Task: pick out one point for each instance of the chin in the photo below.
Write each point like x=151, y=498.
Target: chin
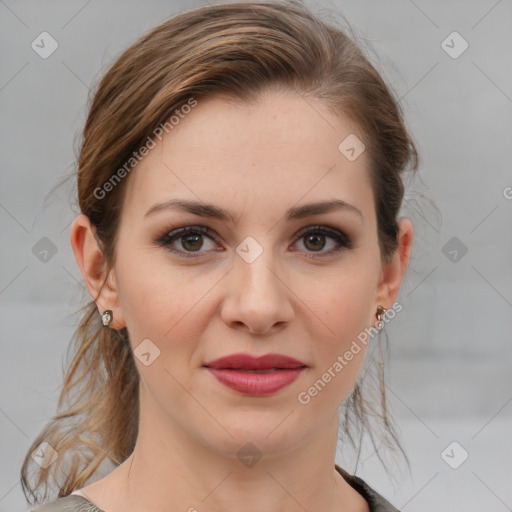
x=265, y=433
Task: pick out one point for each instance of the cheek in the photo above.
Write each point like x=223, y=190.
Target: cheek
x=344, y=308
x=169, y=318
x=344, y=304
x=164, y=304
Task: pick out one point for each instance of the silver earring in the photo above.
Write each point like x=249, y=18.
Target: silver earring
x=107, y=317
x=381, y=312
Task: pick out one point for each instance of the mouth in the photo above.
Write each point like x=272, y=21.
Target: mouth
x=247, y=362
x=267, y=370
x=256, y=376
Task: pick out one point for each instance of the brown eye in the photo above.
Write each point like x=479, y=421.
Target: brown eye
x=192, y=240
x=314, y=240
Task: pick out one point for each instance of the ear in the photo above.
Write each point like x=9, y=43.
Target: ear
x=93, y=267
x=394, y=271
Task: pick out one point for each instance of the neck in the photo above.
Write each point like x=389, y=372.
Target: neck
x=170, y=469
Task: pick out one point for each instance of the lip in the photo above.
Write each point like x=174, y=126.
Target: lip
x=256, y=376
x=243, y=361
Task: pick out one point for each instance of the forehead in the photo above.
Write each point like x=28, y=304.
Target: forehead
x=276, y=150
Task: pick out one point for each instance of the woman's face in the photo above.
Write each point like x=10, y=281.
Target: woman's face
x=255, y=282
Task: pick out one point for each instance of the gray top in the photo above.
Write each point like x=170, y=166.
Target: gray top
x=75, y=503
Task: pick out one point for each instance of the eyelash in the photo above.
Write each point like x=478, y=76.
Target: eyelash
x=342, y=240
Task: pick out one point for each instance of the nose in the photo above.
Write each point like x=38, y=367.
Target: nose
x=258, y=299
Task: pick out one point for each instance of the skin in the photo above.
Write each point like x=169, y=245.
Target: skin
x=257, y=162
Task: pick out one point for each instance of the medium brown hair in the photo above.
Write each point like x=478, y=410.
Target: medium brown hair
x=235, y=50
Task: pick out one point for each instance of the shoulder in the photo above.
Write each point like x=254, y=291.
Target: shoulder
x=70, y=503
x=376, y=502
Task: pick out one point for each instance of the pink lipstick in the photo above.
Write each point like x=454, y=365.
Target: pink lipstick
x=256, y=376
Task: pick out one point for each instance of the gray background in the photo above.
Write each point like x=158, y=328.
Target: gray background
x=450, y=366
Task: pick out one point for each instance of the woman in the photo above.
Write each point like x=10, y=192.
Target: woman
x=239, y=179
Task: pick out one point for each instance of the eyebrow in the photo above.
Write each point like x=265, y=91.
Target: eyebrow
x=212, y=211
